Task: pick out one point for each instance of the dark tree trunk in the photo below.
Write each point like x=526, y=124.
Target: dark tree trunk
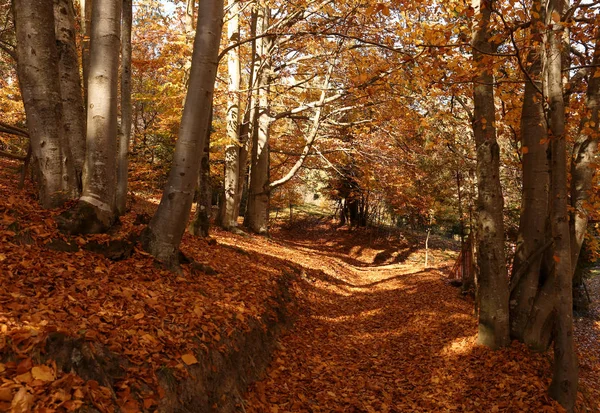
x=533, y=234
x=493, y=280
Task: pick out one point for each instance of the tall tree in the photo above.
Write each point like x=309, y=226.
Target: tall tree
x=96, y=210
x=38, y=72
x=163, y=235
x=533, y=235
x=232, y=150
x=70, y=83
x=493, y=279
x=258, y=197
x=564, y=380
x=584, y=150
x=125, y=127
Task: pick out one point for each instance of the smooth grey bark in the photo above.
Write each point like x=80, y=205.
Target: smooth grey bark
x=232, y=150
x=96, y=209
x=493, y=291
x=564, y=380
x=258, y=197
x=70, y=84
x=38, y=72
x=164, y=233
x=125, y=127
x=86, y=28
x=533, y=232
x=248, y=122
x=584, y=151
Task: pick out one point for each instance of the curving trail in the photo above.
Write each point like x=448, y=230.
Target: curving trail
x=386, y=338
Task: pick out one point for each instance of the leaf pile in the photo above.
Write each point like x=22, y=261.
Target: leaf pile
x=134, y=308
x=397, y=338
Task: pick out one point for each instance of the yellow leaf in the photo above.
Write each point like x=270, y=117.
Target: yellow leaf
x=189, y=359
x=43, y=373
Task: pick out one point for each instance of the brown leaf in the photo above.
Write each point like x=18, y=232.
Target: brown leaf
x=22, y=402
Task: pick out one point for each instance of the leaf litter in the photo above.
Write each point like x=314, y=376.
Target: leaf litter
x=375, y=331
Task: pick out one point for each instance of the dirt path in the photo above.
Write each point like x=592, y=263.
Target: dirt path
x=389, y=338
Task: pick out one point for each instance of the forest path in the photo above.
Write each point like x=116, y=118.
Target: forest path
x=385, y=338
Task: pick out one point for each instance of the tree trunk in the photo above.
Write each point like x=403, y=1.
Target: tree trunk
x=258, y=199
x=533, y=234
x=125, y=128
x=37, y=67
x=584, y=151
x=564, y=380
x=163, y=235
x=201, y=223
x=232, y=150
x=95, y=211
x=493, y=279
x=86, y=28
x=70, y=84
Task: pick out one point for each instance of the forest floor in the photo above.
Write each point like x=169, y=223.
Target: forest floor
x=375, y=331
x=379, y=332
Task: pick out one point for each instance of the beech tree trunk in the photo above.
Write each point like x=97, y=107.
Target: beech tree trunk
x=95, y=211
x=70, y=84
x=533, y=233
x=125, y=127
x=564, y=380
x=201, y=223
x=584, y=151
x=493, y=280
x=232, y=150
x=86, y=28
x=164, y=233
x=258, y=197
x=38, y=72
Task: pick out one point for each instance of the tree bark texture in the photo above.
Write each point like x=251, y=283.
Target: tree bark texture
x=70, y=84
x=164, y=233
x=200, y=225
x=258, y=198
x=564, y=381
x=37, y=68
x=584, y=151
x=493, y=280
x=86, y=27
x=125, y=127
x=533, y=232
x=232, y=150
x=99, y=174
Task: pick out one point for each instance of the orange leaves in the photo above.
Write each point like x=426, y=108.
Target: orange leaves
x=378, y=8
x=189, y=359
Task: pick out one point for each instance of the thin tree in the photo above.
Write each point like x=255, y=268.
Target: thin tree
x=163, y=235
x=232, y=150
x=125, y=127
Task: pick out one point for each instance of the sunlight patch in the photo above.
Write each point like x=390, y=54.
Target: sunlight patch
x=461, y=345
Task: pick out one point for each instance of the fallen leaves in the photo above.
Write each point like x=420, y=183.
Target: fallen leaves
x=189, y=359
